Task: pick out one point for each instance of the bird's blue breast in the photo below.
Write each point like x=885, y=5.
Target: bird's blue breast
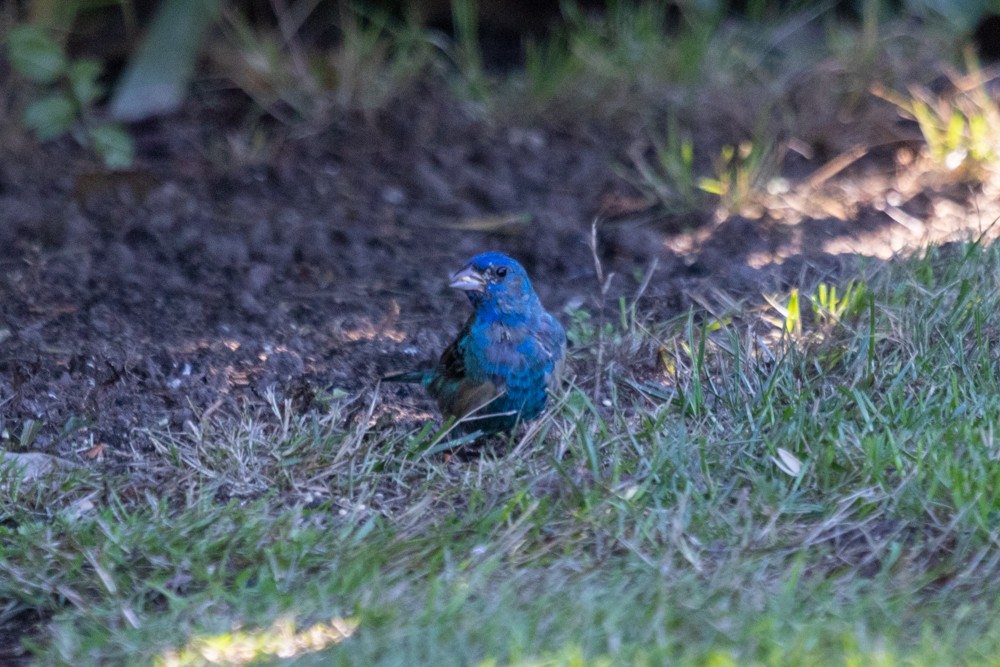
x=516, y=363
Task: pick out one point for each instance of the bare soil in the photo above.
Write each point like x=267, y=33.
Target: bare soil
x=212, y=272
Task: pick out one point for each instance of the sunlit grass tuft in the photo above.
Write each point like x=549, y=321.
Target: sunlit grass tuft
x=960, y=128
x=282, y=640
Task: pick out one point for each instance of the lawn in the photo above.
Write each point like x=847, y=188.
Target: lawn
x=822, y=498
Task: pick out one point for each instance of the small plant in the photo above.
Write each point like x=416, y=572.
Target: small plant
x=641, y=44
x=583, y=330
x=830, y=307
x=740, y=172
x=374, y=57
x=791, y=314
x=961, y=130
x=68, y=89
x=608, y=62
x=466, y=50
x=550, y=68
x=670, y=179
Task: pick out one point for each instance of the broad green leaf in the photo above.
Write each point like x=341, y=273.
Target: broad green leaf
x=34, y=54
x=50, y=116
x=114, y=145
x=155, y=80
x=83, y=76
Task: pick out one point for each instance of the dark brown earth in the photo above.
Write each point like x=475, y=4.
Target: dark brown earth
x=213, y=272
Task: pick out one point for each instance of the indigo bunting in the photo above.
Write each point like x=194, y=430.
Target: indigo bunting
x=508, y=356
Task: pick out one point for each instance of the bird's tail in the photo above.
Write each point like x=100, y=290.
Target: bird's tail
x=417, y=377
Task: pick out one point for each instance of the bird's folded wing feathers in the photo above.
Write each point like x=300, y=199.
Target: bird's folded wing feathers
x=456, y=393
x=552, y=338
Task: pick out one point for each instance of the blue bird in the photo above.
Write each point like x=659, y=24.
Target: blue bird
x=508, y=357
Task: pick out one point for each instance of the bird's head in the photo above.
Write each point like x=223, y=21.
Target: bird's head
x=495, y=283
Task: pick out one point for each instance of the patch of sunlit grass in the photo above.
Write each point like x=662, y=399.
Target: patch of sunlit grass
x=243, y=647
x=960, y=128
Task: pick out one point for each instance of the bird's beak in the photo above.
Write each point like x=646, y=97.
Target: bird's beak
x=468, y=280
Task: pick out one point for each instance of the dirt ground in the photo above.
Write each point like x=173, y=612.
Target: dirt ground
x=210, y=273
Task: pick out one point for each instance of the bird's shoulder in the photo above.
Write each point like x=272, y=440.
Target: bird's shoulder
x=550, y=336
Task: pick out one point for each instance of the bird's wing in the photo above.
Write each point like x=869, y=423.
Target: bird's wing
x=552, y=339
x=456, y=392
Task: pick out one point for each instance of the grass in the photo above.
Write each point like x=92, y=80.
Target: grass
x=654, y=527
x=305, y=88
x=630, y=52
x=959, y=129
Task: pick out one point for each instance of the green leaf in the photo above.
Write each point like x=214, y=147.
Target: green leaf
x=793, y=320
x=50, y=116
x=156, y=78
x=83, y=76
x=34, y=54
x=114, y=145
x=712, y=186
x=956, y=128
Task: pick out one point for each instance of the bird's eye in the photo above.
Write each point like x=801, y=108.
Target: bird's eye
x=501, y=271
